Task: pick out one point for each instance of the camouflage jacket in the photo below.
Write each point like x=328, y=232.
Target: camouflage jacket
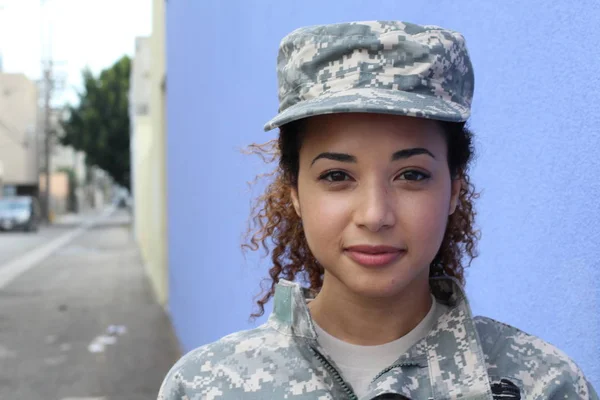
x=461, y=358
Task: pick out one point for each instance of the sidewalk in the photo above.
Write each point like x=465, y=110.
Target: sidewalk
x=84, y=324
x=74, y=219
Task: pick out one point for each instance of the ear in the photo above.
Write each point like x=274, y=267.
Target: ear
x=295, y=200
x=456, y=186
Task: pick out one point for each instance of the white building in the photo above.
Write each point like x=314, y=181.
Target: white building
x=19, y=130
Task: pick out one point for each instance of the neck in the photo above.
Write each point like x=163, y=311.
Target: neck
x=369, y=321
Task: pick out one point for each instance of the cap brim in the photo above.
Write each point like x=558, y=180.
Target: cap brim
x=373, y=100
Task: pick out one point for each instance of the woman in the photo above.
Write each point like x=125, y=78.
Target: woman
x=371, y=208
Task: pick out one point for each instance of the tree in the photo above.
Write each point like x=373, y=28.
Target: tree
x=99, y=125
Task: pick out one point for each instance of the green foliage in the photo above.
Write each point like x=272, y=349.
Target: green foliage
x=99, y=125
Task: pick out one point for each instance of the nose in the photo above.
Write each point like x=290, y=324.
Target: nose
x=374, y=207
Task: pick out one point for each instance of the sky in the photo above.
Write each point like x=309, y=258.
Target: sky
x=77, y=33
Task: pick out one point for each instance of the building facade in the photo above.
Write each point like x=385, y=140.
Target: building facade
x=148, y=151
x=19, y=132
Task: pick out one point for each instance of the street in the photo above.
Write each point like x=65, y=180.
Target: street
x=13, y=244
x=82, y=324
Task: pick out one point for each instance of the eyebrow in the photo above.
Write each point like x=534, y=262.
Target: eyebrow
x=399, y=155
x=406, y=153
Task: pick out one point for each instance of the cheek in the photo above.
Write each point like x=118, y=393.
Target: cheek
x=426, y=218
x=324, y=216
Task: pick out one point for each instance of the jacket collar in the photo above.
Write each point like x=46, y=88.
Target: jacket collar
x=452, y=350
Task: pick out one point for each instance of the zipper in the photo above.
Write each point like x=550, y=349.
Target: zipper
x=391, y=367
x=336, y=375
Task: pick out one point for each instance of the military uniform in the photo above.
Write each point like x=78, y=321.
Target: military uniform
x=461, y=358
x=393, y=68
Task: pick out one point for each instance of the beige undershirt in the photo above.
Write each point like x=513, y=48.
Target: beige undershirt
x=360, y=364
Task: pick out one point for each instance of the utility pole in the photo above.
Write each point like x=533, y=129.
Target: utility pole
x=48, y=86
x=51, y=85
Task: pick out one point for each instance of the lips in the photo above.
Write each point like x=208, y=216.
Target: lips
x=374, y=256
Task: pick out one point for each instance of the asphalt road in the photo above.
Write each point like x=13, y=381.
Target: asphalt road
x=14, y=244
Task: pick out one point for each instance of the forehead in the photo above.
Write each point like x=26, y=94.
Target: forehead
x=361, y=131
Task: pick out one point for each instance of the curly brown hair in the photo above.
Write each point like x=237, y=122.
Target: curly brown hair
x=275, y=226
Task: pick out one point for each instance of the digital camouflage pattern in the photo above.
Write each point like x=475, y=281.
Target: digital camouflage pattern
x=375, y=66
x=461, y=358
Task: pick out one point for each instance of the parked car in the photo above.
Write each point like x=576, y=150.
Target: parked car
x=21, y=213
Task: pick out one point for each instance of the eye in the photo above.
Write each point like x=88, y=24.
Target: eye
x=334, y=176
x=414, y=175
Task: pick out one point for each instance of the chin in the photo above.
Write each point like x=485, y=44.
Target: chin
x=377, y=285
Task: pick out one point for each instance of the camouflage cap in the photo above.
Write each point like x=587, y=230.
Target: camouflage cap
x=375, y=67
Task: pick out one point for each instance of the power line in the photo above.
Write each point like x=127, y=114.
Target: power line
x=12, y=132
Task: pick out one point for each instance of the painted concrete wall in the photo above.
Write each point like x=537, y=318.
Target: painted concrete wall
x=157, y=258
x=535, y=115
x=149, y=153
x=142, y=139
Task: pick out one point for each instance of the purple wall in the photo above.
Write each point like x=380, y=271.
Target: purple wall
x=537, y=123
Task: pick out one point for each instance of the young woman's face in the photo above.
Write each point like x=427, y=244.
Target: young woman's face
x=374, y=194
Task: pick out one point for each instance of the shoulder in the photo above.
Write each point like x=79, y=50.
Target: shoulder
x=540, y=369
x=238, y=362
